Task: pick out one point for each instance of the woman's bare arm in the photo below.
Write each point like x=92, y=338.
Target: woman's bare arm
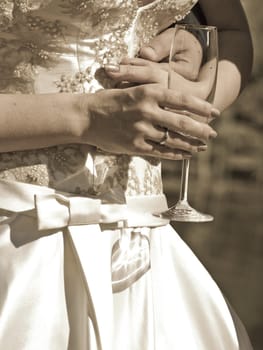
x=36, y=121
x=127, y=121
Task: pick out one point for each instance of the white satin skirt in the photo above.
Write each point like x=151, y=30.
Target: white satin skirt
x=56, y=285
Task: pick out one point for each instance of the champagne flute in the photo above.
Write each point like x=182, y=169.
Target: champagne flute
x=207, y=37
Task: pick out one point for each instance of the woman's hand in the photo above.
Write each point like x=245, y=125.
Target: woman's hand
x=184, y=133
x=134, y=120
x=133, y=71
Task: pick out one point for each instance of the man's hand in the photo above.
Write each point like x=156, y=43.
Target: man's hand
x=152, y=66
x=187, y=55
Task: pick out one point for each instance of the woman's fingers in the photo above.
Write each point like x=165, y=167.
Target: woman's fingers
x=175, y=111
x=181, y=95
x=163, y=152
x=184, y=102
x=138, y=61
x=135, y=120
x=139, y=72
x=153, y=149
x=187, y=126
x=174, y=140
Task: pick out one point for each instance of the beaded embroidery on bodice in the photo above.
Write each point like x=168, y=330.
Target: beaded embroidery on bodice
x=52, y=46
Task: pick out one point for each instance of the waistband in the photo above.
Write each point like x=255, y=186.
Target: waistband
x=54, y=209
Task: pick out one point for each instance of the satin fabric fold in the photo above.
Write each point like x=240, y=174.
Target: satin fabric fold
x=55, y=292
x=185, y=309
x=35, y=216
x=54, y=209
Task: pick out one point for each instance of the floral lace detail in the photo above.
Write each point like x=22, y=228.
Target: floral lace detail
x=135, y=175
x=30, y=5
x=54, y=164
x=52, y=29
x=51, y=46
x=9, y=7
x=6, y=13
x=124, y=35
x=176, y=11
x=33, y=174
x=68, y=83
x=115, y=29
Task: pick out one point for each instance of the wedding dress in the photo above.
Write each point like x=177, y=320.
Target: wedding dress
x=67, y=281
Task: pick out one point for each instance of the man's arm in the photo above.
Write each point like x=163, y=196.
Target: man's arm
x=235, y=48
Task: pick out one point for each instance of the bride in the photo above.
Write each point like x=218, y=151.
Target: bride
x=83, y=263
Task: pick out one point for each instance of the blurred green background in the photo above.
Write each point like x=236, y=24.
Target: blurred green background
x=227, y=182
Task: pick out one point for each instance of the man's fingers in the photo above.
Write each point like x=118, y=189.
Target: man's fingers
x=159, y=47
x=187, y=54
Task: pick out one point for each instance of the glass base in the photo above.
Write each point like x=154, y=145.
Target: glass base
x=183, y=212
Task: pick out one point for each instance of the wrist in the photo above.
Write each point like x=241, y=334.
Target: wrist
x=81, y=118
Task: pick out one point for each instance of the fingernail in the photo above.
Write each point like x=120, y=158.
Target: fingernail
x=215, y=112
x=114, y=68
x=213, y=135
x=202, y=148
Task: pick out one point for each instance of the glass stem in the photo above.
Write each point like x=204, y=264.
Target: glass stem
x=184, y=180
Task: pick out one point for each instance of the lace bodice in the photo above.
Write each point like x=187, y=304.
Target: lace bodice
x=52, y=46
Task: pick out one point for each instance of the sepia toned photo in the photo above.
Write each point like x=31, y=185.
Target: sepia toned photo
x=131, y=175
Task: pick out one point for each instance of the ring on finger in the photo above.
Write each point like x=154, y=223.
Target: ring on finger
x=164, y=138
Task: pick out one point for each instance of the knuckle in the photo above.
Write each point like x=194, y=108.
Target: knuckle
x=141, y=147
x=142, y=91
x=128, y=71
x=192, y=149
x=193, y=74
x=141, y=128
x=136, y=146
x=139, y=96
x=176, y=155
x=188, y=147
x=147, y=148
x=185, y=146
x=154, y=90
x=181, y=98
x=146, y=111
x=182, y=124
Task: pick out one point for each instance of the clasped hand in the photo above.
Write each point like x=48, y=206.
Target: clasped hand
x=133, y=118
